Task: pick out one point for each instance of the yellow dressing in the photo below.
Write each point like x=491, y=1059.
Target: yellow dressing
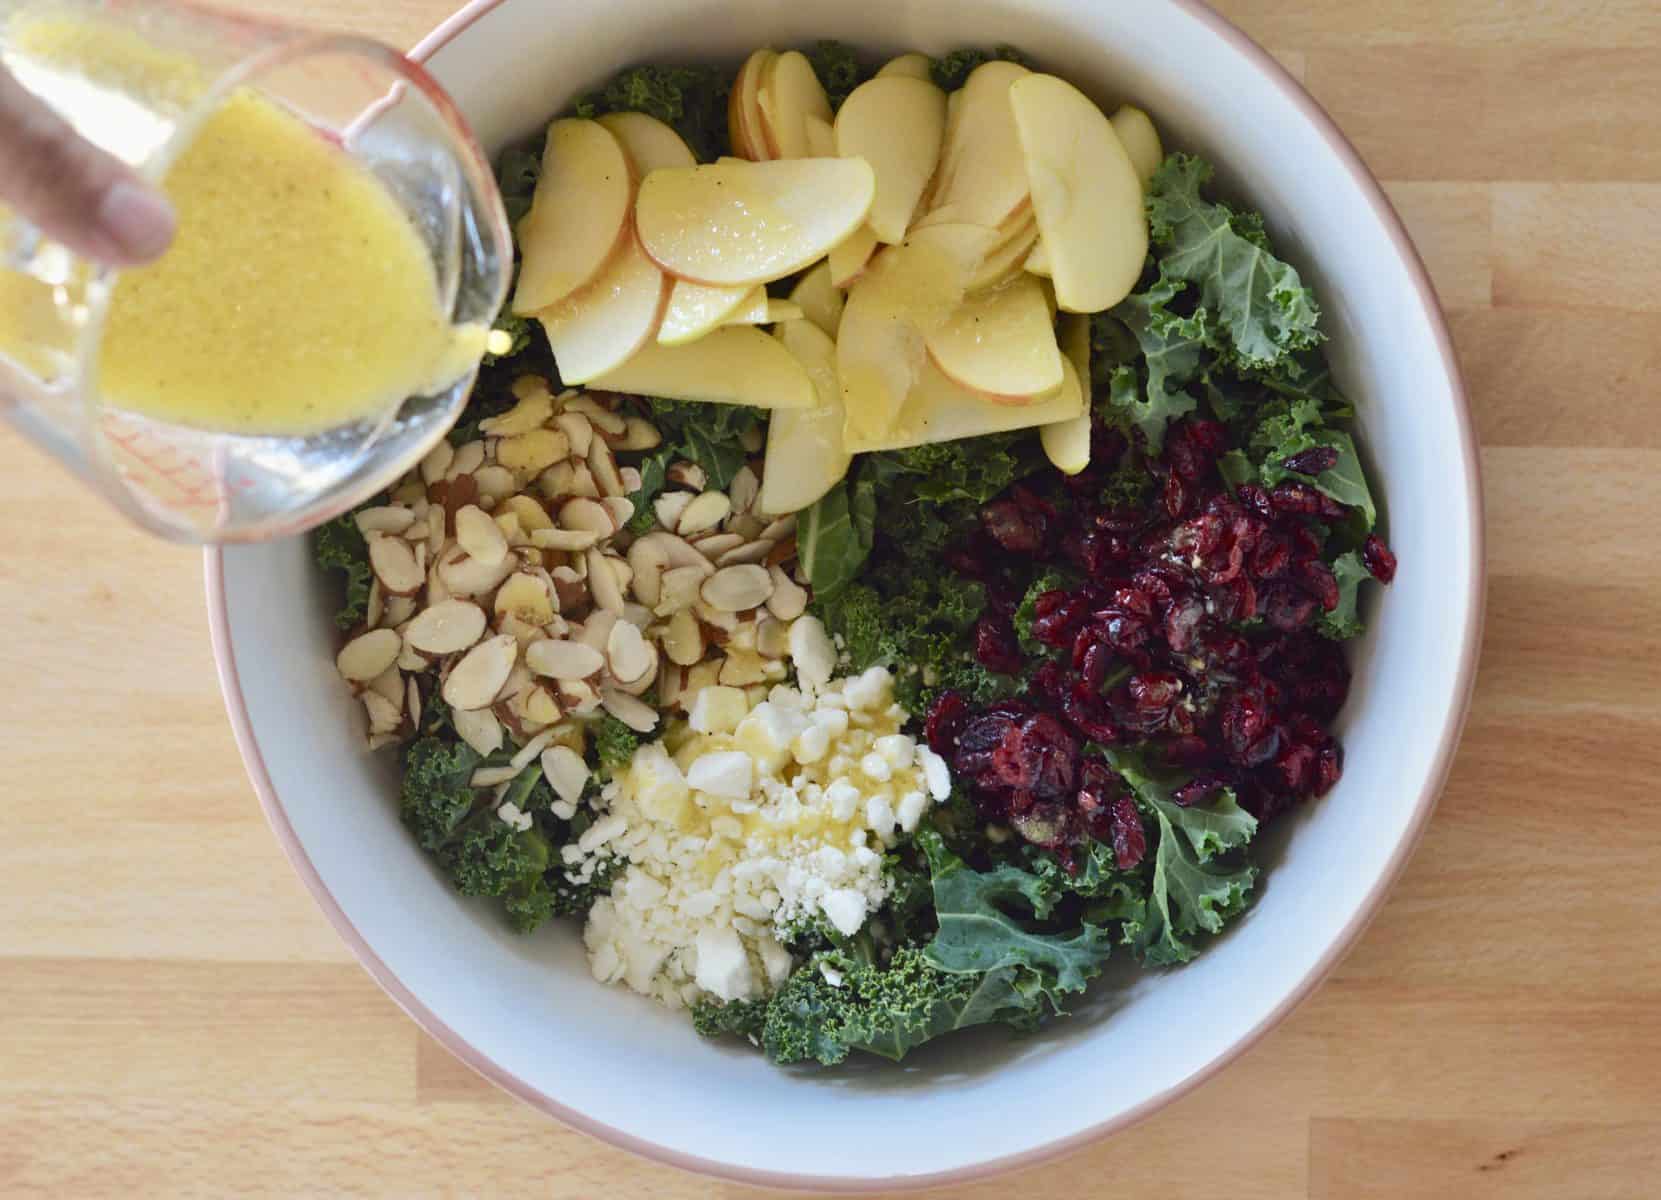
x=297, y=296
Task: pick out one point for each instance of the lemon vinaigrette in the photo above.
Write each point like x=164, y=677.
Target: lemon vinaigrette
x=297, y=296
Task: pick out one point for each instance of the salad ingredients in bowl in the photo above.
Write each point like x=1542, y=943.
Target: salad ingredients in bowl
x=901, y=557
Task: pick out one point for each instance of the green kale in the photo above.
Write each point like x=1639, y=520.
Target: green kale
x=884, y=1009
x=711, y=435
x=339, y=546
x=980, y=933
x=1197, y=882
x=1344, y=622
x=493, y=859
x=1128, y=485
x=691, y=99
x=739, y=1018
x=838, y=69
x=654, y=475
x=1174, y=350
x=521, y=329
x=436, y=796
x=614, y=742
x=949, y=71
x=834, y=535
x=975, y=469
x=516, y=175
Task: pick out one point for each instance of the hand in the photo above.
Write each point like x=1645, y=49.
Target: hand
x=71, y=190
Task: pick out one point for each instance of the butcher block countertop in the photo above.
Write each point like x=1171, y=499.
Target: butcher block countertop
x=176, y=1016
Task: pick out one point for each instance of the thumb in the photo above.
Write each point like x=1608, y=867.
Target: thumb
x=73, y=191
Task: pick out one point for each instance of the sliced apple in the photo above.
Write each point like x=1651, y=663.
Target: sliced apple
x=939, y=410
x=907, y=66
x=1003, y=262
x=821, y=138
x=1038, y=262
x=1001, y=343
x=1067, y=443
x=696, y=308
x=789, y=93
x=849, y=256
x=780, y=312
x=896, y=124
x=740, y=223
x=1085, y=191
x=743, y=110
x=753, y=311
x=908, y=292
x=648, y=142
x=736, y=364
x=602, y=326
x=1140, y=140
x=820, y=300
x=982, y=166
x=579, y=213
x=805, y=456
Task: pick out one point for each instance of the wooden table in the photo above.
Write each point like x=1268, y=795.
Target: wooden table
x=176, y=1017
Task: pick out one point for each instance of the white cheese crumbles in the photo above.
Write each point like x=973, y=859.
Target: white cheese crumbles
x=750, y=818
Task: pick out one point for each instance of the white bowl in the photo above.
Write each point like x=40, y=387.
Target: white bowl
x=525, y=1012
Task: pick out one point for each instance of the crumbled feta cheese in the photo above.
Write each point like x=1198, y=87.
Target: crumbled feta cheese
x=875, y=766
x=812, y=652
x=511, y=815
x=845, y=909
x=935, y=773
x=725, y=773
x=831, y=974
x=898, y=749
x=910, y=810
x=870, y=691
x=723, y=965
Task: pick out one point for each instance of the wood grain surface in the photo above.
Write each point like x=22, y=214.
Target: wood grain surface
x=176, y=1018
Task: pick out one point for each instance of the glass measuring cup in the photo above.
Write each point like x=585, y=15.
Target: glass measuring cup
x=178, y=65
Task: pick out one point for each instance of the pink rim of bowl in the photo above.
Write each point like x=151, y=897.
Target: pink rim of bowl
x=254, y=763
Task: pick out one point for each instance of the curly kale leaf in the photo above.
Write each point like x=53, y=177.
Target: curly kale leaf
x=737, y=1018
x=1260, y=310
x=691, y=99
x=1198, y=882
x=1174, y=353
x=1052, y=579
x=436, y=796
x=339, y=546
x=950, y=71
x=710, y=435
x=516, y=174
x=834, y=536
x=614, y=742
x=838, y=69
x=1344, y=622
x=980, y=933
x=885, y=1009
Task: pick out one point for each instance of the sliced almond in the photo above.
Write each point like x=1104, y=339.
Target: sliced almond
x=495, y=483
x=582, y=481
x=555, y=482
x=474, y=681
x=565, y=772
x=448, y=627
x=713, y=545
x=398, y=610
x=705, y=512
x=523, y=632
x=564, y=660
x=670, y=506
x=737, y=589
x=683, y=639
x=570, y=588
x=412, y=703
x=623, y=573
x=638, y=614
x=480, y=536
x=535, y=407
x=679, y=589
x=670, y=679
x=602, y=583
x=602, y=464
x=621, y=509
x=589, y=516
x=649, y=560
x=578, y=697
x=780, y=529
x=435, y=529
x=532, y=516
x=378, y=741
x=601, y=417
x=724, y=623
x=512, y=532
x=789, y=600
x=464, y=575
x=411, y=492
x=479, y=729
x=375, y=607
x=746, y=525
x=640, y=434
x=437, y=463
x=385, y=518
x=749, y=552
x=631, y=479
x=489, y=777
x=394, y=564
x=467, y=459
x=596, y=630
x=569, y=540
x=519, y=680
x=687, y=475
x=743, y=667
x=648, y=678
x=529, y=454
x=705, y=674
x=369, y=655
x=743, y=490
x=772, y=638
x=576, y=427
x=633, y=712
x=627, y=653
x=527, y=597
x=542, y=707
x=384, y=715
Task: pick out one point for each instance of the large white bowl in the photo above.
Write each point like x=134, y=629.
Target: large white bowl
x=524, y=1011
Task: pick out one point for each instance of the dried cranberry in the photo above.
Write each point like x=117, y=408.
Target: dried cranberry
x=1256, y=500
x=1286, y=606
x=1318, y=578
x=1037, y=755
x=1329, y=765
x=1312, y=461
x=1244, y=720
x=944, y=722
x=995, y=645
x=1300, y=499
x=1057, y=616
x=1197, y=791
x=1235, y=600
x=1014, y=528
x=1085, y=708
x=1130, y=841
x=1182, y=624
x=1378, y=559
x=1155, y=691
x=979, y=737
x=1271, y=556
